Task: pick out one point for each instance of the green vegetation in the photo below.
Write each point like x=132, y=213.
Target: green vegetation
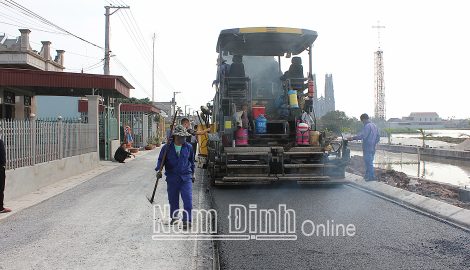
x=136, y=100
x=388, y=132
x=338, y=122
x=446, y=139
x=424, y=136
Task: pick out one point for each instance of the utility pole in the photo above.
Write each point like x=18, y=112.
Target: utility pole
x=174, y=101
x=153, y=69
x=107, y=51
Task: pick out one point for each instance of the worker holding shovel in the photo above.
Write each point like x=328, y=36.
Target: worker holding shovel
x=179, y=172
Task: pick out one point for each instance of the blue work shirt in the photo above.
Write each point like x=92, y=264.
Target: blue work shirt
x=370, y=137
x=181, y=166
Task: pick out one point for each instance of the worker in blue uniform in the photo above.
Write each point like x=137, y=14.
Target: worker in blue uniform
x=179, y=172
x=370, y=137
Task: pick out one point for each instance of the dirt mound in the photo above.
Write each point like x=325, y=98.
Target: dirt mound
x=393, y=178
x=439, y=191
x=464, y=146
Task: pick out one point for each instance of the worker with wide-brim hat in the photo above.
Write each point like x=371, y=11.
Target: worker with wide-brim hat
x=179, y=172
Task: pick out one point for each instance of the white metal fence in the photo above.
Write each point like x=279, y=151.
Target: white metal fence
x=31, y=142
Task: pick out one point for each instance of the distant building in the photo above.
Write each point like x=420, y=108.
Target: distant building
x=425, y=117
x=165, y=107
x=326, y=104
x=457, y=123
x=428, y=120
x=17, y=53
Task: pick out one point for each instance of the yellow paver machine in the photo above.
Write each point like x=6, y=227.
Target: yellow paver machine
x=264, y=128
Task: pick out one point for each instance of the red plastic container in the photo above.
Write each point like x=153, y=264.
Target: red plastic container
x=302, y=134
x=241, y=136
x=257, y=110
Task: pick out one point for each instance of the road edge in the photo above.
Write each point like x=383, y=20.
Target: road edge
x=442, y=211
x=215, y=243
x=47, y=192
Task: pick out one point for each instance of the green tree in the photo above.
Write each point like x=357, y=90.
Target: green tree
x=424, y=136
x=389, y=132
x=338, y=121
x=134, y=100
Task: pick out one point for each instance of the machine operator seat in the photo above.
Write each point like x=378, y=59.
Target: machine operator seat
x=236, y=79
x=295, y=74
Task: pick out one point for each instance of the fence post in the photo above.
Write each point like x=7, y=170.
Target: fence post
x=145, y=129
x=61, y=137
x=93, y=118
x=33, y=138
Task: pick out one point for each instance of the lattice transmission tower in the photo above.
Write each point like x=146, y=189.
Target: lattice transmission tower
x=379, y=85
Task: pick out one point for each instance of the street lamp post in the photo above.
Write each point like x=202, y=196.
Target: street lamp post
x=174, y=101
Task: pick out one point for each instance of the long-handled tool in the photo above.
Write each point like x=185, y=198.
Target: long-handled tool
x=162, y=164
x=205, y=122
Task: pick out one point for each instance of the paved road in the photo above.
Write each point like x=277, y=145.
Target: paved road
x=387, y=236
x=105, y=223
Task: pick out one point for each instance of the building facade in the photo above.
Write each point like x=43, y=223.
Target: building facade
x=326, y=103
x=17, y=53
x=426, y=120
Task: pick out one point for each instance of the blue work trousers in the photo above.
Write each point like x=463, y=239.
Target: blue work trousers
x=175, y=187
x=369, y=164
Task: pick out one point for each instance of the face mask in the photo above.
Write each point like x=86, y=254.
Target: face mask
x=180, y=140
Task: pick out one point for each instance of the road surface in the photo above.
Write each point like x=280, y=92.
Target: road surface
x=104, y=223
x=387, y=235
x=107, y=223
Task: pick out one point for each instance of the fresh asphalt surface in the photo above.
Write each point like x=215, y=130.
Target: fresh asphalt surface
x=388, y=236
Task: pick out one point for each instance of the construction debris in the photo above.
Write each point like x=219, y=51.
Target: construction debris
x=431, y=189
x=464, y=146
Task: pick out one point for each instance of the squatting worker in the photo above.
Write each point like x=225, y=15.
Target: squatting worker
x=179, y=172
x=3, y=161
x=370, y=137
x=121, y=153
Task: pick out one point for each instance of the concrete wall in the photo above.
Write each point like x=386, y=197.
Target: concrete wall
x=434, y=152
x=51, y=107
x=25, y=180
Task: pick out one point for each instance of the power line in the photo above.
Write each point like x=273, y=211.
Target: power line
x=132, y=76
x=37, y=29
x=133, y=37
x=19, y=16
x=94, y=66
x=34, y=15
x=139, y=42
x=23, y=23
x=139, y=31
x=54, y=48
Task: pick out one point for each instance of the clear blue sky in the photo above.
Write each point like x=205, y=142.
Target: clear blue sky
x=425, y=43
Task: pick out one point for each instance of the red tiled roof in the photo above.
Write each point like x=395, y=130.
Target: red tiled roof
x=50, y=83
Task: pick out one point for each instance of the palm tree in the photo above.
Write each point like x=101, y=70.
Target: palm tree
x=424, y=135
